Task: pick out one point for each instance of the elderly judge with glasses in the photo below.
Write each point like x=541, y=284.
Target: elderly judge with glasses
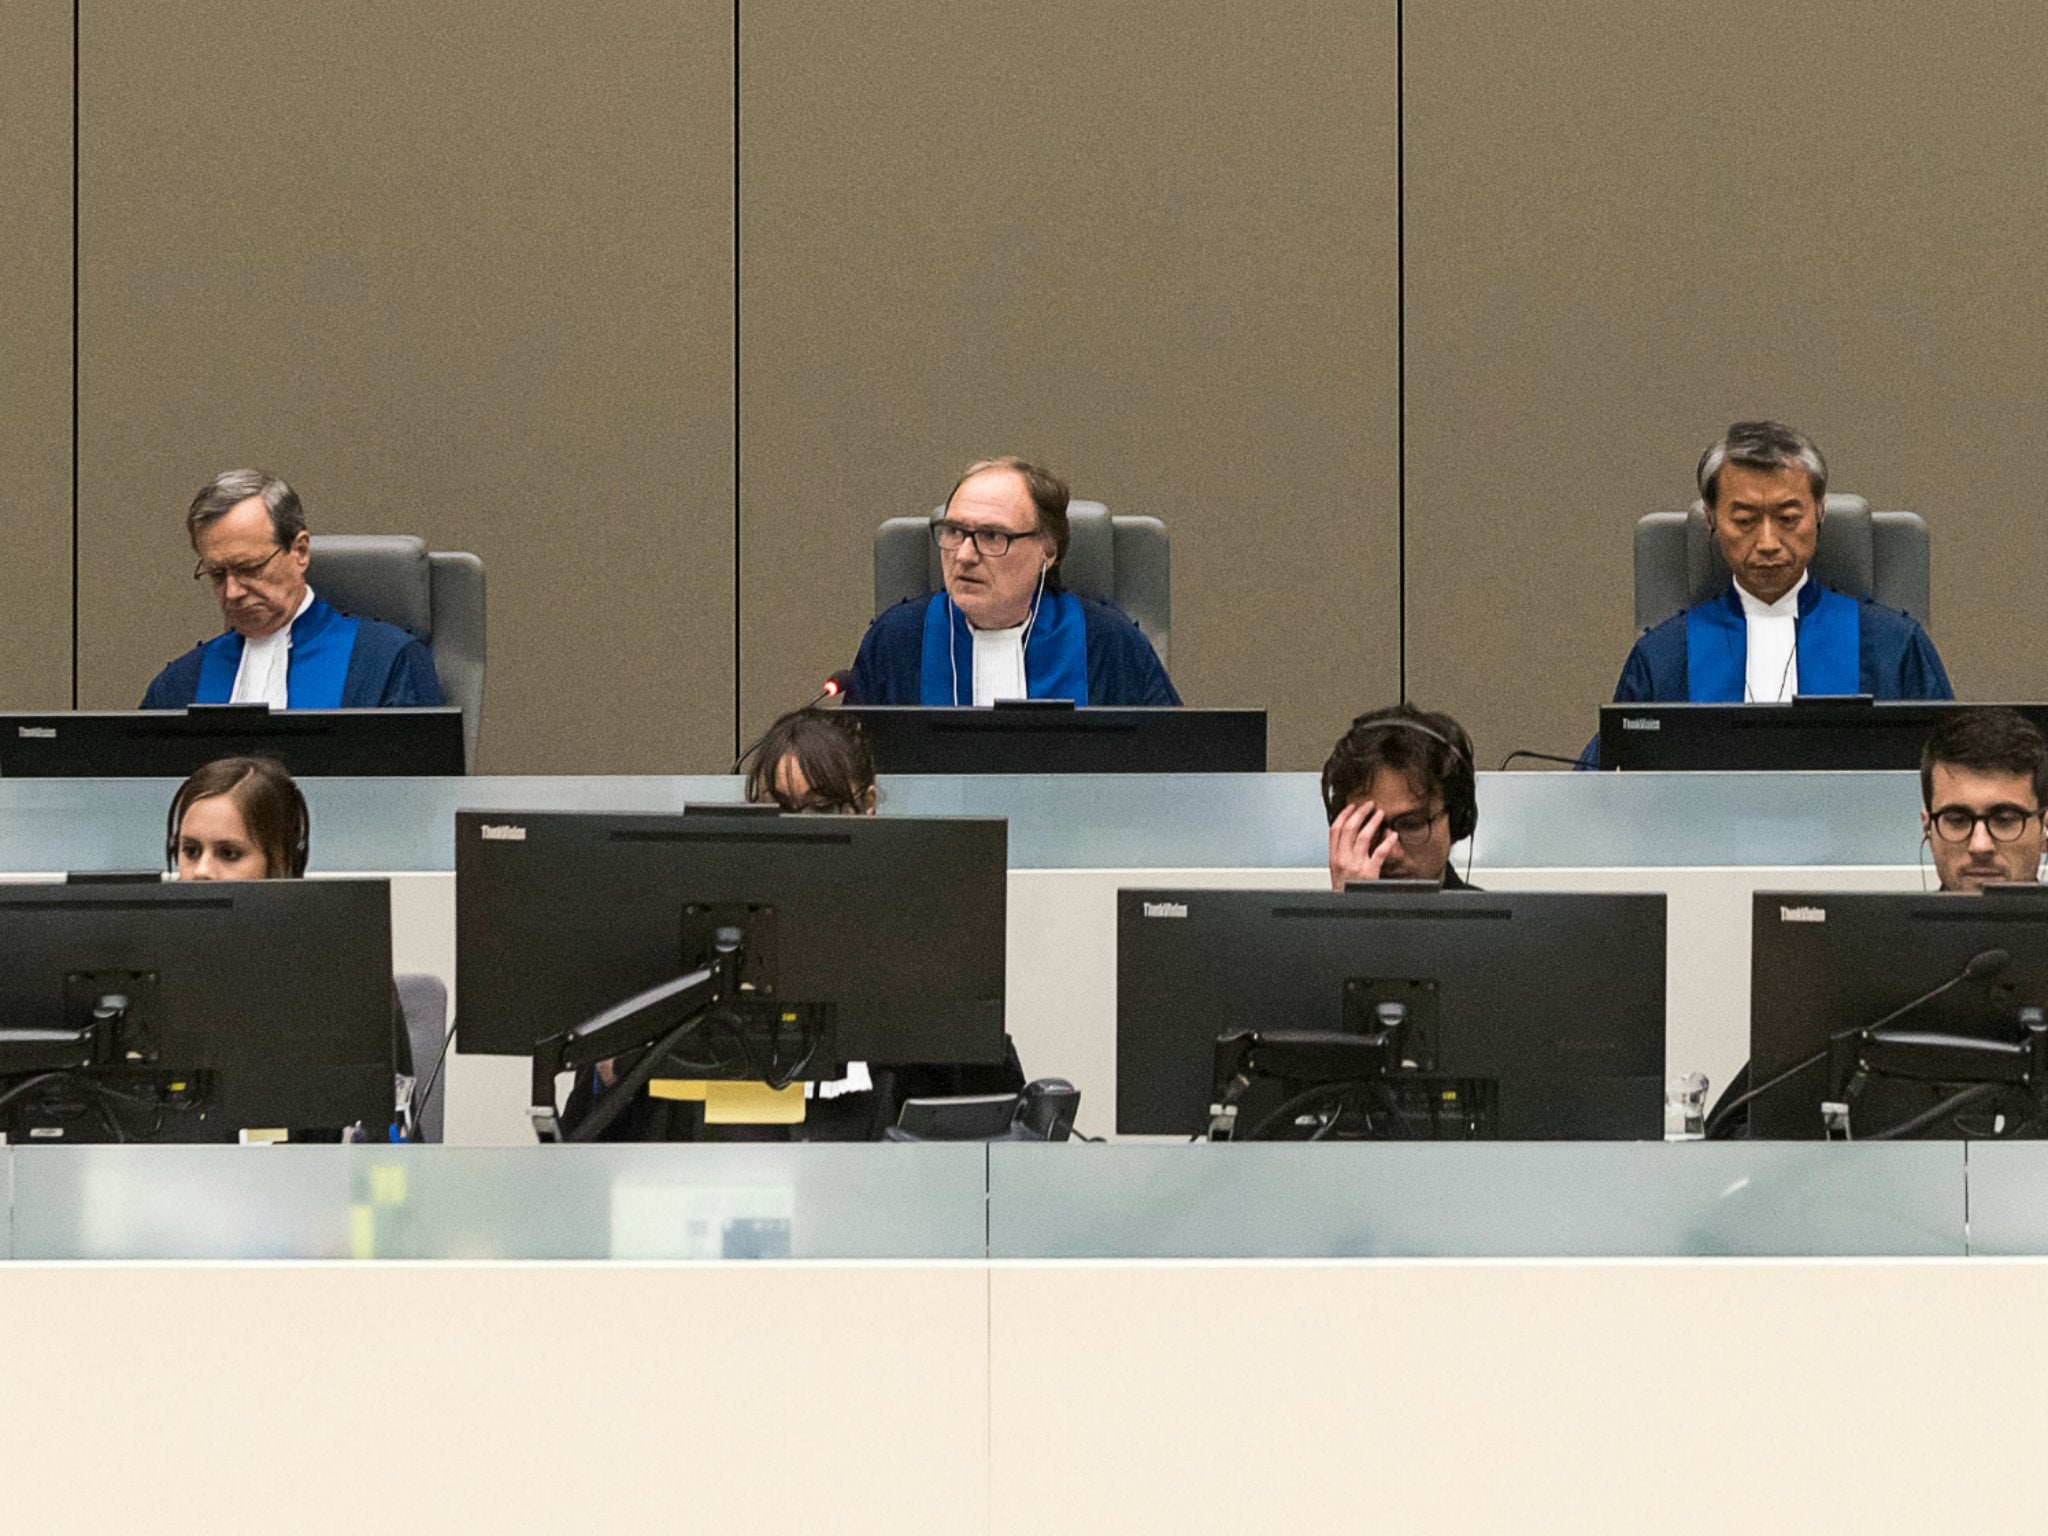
x=1004, y=627
x=283, y=646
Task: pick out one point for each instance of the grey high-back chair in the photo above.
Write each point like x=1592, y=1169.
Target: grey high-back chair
x=423, y=1000
x=437, y=595
x=1122, y=559
x=1884, y=556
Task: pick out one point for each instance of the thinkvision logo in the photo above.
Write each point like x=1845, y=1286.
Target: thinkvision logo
x=1802, y=914
x=1166, y=909
x=506, y=834
x=1641, y=725
x=36, y=732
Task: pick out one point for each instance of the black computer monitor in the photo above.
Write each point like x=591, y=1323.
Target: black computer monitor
x=193, y=1011
x=859, y=938
x=1051, y=736
x=1825, y=965
x=171, y=743
x=1816, y=733
x=1526, y=1016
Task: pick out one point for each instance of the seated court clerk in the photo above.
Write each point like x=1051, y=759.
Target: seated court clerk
x=1983, y=779
x=810, y=763
x=243, y=818
x=1776, y=633
x=283, y=646
x=1399, y=791
x=1983, y=782
x=1003, y=627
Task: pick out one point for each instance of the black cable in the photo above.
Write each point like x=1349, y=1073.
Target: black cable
x=1954, y=1104
x=1725, y=1112
x=29, y=1084
x=1541, y=757
x=1289, y=1108
x=421, y=1096
x=626, y=1089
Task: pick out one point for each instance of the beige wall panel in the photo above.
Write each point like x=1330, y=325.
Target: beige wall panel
x=496, y=1399
x=461, y=271
x=35, y=353
x=1833, y=215
x=1150, y=244
x=1500, y=1397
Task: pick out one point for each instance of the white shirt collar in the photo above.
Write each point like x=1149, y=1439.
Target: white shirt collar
x=1786, y=607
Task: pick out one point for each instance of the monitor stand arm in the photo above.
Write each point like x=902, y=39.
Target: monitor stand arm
x=1937, y=1057
x=1301, y=1055
x=659, y=1018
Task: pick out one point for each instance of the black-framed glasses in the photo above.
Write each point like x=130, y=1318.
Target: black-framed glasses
x=1413, y=829
x=1958, y=823
x=249, y=571
x=993, y=543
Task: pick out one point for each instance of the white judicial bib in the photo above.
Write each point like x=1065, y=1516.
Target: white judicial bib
x=999, y=664
x=1771, y=675
x=265, y=673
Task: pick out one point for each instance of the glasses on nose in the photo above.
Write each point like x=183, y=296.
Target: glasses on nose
x=1958, y=824
x=1413, y=828
x=993, y=543
x=247, y=571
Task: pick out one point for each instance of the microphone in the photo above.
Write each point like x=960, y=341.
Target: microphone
x=835, y=687
x=1981, y=966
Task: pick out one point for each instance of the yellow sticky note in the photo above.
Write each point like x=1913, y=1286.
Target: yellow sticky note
x=727, y=1103
x=362, y=1232
x=387, y=1184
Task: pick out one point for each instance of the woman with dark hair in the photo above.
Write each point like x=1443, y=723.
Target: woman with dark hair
x=242, y=818
x=238, y=818
x=810, y=761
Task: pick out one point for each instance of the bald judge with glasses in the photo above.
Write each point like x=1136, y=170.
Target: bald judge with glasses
x=1004, y=627
x=283, y=646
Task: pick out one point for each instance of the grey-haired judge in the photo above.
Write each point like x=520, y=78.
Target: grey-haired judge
x=1775, y=633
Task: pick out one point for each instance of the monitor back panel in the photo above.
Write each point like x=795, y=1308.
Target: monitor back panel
x=170, y=744
x=1558, y=998
x=1041, y=739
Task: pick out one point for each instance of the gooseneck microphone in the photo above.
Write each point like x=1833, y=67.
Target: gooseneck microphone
x=835, y=687
x=1981, y=966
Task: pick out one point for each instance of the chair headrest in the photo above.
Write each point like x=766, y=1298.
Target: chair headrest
x=377, y=575
x=1843, y=558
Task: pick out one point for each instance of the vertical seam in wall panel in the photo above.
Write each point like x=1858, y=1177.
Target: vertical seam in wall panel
x=1400, y=353
x=736, y=377
x=75, y=4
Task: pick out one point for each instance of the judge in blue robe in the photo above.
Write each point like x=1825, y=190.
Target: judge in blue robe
x=1004, y=627
x=284, y=645
x=1775, y=633
x=1841, y=645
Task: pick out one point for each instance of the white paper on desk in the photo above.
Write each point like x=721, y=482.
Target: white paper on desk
x=855, y=1081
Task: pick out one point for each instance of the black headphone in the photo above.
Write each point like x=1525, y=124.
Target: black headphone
x=1460, y=782
x=302, y=831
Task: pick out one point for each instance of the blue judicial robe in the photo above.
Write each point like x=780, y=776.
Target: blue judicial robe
x=338, y=661
x=1080, y=648
x=1845, y=645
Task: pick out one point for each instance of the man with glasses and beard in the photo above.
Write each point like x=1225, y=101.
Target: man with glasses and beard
x=283, y=647
x=1004, y=627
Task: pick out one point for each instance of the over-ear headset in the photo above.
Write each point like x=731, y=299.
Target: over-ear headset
x=302, y=831
x=1460, y=782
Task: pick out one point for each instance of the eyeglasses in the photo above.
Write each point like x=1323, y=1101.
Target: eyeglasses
x=1413, y=829
x=1958, y=824
x=219, y=574
x=993, y=543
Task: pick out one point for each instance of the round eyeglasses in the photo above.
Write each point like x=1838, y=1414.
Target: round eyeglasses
x=1957, y=824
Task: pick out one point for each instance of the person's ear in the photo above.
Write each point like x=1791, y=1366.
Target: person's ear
x=868, y=799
